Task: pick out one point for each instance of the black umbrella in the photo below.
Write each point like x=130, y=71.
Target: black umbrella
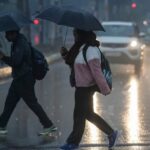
x=12, y=21
x=72, y=17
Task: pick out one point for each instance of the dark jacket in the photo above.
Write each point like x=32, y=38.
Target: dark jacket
x=20, y=59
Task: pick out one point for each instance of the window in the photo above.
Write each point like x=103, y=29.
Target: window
x=119, y=30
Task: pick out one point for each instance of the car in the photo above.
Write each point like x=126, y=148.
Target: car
x=122, y=43
x=145, y=27
x=147, y=39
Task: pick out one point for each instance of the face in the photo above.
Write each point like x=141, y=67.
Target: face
x=10, y=36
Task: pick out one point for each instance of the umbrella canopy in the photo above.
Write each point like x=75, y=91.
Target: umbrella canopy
x=12, y=21
x=72, y=17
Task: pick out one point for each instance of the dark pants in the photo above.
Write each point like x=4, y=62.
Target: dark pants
x=84, y=110
x=23, y=88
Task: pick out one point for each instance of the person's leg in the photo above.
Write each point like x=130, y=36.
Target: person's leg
x=101, y=123
x=28, y=95
x=10, y=104
x=95, y=118
x=79, y=117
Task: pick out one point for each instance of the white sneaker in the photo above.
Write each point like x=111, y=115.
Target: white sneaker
x=48, y=130
x=3, y=131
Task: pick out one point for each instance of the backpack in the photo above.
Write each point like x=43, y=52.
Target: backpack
x=39, y=64
x=104, y=66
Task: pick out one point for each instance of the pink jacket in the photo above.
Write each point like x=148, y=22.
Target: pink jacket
x=86, y=77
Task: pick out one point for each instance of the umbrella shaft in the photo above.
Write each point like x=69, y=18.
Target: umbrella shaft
x=65, y=36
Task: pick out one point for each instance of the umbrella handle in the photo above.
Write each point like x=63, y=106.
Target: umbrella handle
x=65, y=37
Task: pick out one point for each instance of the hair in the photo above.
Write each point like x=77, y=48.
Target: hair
x=13, y=31
x=87, y=37
x=84, y=37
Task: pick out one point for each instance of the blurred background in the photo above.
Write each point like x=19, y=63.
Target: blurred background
x=125, y=10
x=126, y=108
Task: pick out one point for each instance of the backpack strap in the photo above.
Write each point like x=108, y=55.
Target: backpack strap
x=104, y=66
x=84, y=53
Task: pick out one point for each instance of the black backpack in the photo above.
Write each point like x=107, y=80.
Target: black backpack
x=104, y=66
x=39, y=64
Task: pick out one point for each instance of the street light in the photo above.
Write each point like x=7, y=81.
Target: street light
x=36, y=21
x=133, y=5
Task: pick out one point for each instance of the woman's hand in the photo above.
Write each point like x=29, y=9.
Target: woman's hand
x=63, y=52
x=105, y=90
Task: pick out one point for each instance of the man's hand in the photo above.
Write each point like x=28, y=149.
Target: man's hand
x=1, y=55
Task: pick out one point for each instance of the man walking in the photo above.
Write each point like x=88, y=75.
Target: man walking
x=23, y=82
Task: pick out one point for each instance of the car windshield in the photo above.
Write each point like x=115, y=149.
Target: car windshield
x=118, y=30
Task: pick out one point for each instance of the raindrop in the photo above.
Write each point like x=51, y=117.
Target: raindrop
x=16, y=119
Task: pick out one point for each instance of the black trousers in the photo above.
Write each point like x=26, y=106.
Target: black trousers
x=84, y=110
x=23, y=87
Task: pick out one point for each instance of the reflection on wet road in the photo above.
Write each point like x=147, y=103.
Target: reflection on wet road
x=90, y=128
x=127, y=109
x=132, y=117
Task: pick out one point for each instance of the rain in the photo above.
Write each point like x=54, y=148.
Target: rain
x=122, y=28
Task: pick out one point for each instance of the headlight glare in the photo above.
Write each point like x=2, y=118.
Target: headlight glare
x=134, y=44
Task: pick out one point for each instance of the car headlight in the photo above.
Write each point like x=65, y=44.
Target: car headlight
x=134, y=44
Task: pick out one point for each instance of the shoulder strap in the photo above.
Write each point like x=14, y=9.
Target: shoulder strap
x=84, y=53
x=103, y=58
x=102, y=55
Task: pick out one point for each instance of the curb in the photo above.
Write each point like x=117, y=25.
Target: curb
x=6, y=71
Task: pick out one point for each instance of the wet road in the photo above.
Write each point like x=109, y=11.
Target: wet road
x=127, y=109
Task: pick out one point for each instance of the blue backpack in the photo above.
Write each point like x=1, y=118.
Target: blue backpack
x=104, y=66
x=39, y=64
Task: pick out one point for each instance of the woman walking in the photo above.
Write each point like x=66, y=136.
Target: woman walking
x=84, y=77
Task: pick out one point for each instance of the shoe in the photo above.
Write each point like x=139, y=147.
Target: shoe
x=3, y=131
x=69, y=146
x=48, y=130
x=112, y=139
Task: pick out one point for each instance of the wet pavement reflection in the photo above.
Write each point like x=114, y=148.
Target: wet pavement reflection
x=132, y=116
x=126, y=109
